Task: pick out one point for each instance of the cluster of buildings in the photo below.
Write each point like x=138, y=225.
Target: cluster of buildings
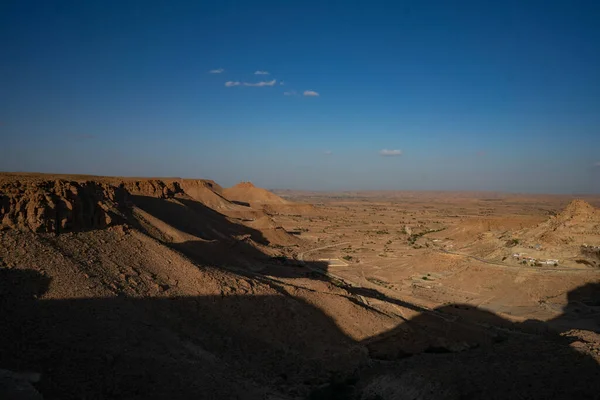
x=531, y=260
x=547, y=262
x=590, y=251
x=523, y=257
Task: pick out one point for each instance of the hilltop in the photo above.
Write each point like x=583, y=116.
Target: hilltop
x=577, y=224
x=248, y=194
x=565, y=232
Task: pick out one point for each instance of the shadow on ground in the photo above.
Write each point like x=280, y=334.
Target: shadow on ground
x=231, y=347
x=260, y=347
x=223, y=242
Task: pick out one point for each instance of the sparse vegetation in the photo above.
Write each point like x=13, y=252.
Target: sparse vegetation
x=337, y=282
x=379, y=282
x=413, y=238
x=512, y=242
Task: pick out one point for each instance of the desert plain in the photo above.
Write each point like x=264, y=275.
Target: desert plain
x=125, y=288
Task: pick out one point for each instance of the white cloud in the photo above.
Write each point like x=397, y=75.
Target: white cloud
x=281, y=83
x=311, y=93
x=232, y=83
x=261, y=73
x=290, y=93
x=328, y=152
x=262, y=83
x=390, y=153
x=216, y=71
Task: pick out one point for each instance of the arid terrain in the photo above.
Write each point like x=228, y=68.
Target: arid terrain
x=168, y=288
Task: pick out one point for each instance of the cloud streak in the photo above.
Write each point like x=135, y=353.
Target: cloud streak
x=290, y=93
x=597, y=164
x=261, y=73
x=261, y=84
x=255, y=84
x=311, y=93
x=390, y=153
x=216, y=71
x=328, y=152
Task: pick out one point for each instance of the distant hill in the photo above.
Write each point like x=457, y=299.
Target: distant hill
x=246, y=192
x=259, y=198
x=577, y=224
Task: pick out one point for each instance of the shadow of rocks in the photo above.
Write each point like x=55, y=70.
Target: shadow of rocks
x=225, y=243
x=183, y=347
x=268, y=346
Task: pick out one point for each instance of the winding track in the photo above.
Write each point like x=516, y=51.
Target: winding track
x=301, y=255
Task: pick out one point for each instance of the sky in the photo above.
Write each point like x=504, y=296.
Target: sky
x=314, y=95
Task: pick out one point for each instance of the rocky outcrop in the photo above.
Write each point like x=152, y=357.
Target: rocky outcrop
x=578, y=223
x=169, y=188
x=62, y=205
x=57, y=205
x=162, y=189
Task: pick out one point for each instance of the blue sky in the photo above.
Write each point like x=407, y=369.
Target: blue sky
x=475, y=95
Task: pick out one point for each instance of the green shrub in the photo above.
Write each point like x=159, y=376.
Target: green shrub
x=512, y=242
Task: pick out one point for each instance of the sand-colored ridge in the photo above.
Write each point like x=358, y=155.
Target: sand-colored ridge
x=259, y=198
x=246, y=192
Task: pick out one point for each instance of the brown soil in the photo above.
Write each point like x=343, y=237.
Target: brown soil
x=161, y=288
